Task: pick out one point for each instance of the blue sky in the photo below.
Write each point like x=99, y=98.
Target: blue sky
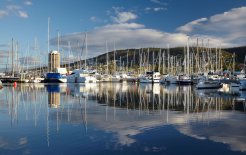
x=128, y=23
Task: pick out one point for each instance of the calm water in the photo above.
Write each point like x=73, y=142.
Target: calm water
x=121, y=119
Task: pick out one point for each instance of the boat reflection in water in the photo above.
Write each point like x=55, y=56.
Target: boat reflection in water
x=118, y=118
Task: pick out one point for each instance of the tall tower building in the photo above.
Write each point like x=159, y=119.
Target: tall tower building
x=54, y=60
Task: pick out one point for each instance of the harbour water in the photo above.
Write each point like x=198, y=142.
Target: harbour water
x=121, y=118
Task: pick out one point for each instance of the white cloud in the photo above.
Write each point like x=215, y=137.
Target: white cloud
x=122, y=16
x=157, y=9
x=125, y=35
x=93, y=18
x=28, y=2
x=3, y=13
x=158, y=2
x=148, y=9
x=23, y=14
x=13, y=10
x=236, y=140
x=226, y=29
x=229, y=27
x=191, y=25
x=13, y=7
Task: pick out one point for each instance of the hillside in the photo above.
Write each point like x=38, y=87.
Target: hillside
x=122, y=54
x=239, y=51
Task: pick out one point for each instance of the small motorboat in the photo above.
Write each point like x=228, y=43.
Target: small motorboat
x=209, y=84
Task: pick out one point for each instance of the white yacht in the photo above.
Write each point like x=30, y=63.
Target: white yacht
x=150, y=77
x=81, y=76
x=105, y=78
x=36, y=80
x=242, y=79
x=116, y=78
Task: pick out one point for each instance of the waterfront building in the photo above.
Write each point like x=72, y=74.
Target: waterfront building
x=54, y=60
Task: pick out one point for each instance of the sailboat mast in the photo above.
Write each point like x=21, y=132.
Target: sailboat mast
x=127, y=61
x=163, y=63
x=216, y=59
x=58, y=41
x=185, y=66
x=188, y=57
x=69, y=52
x=245, y=64
x=35, y=49
x=197, y=57
x=221, y=66
x=12, y=57
x=168, y=59
x=233, y=63
x=17, y=56
x=140, y=61
x=48, y=40
x=85, y=49
x=153, y=59
x=159, y=62
x=148, y=60
x=114, y=59
x=107, y=56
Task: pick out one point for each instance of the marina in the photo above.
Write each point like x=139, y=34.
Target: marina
x=122, y=77
x=117, y=118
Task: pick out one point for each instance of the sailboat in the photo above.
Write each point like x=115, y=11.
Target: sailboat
x=169, y=79
x=242, y=80
x=57, y=74
x=106, y=77
x=150, y=77
x=82, y=75
x=116, y=77
x=186, y=78
x=208, y=83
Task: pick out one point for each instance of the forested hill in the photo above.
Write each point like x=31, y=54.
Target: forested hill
x=239, y=51
x=133, y=54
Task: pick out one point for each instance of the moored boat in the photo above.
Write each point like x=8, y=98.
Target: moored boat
x=105, y=78
x=81, y=76
x=150, y=77
x=55, y=78
x=169, y=79
x=208, y=84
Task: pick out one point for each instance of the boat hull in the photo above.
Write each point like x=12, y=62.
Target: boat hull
x=54, y=80
x=242, y=85
x=184, y=82
x=209, y=85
